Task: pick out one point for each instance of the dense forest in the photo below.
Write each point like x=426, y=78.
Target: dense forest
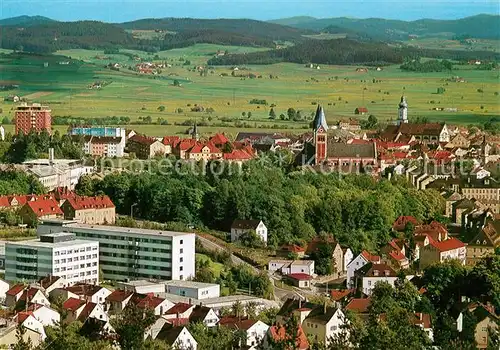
x=427, y=66
x=346, y=51
x=295, y=206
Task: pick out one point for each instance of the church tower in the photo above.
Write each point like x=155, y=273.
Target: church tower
x=403, y=111
x=320, y=129
x=194, y=132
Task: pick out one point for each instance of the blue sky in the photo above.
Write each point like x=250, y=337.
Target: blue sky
x=125, y=10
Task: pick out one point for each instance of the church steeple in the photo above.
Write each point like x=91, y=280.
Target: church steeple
x=403, y=111
x=194, y=132
x=320, y=128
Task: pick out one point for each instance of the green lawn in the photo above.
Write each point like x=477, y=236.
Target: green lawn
x=216, y=267
x=339, y=88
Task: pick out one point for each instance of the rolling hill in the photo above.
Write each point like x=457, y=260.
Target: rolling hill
x=480, y=26
x=25, y=21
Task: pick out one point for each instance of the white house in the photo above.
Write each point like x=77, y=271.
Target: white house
x=4, y=287
x=81, y=310
x=255, y=330
x=153, y=330
x=348, y=256
x=178, y=338
x=147, y=301
x=30, y=322
x=287, y=267
x=179, y=310
x=89, y=292
x=195, y=290
x=371, y=274
x=46, y=315
x=358, y=262
x=205, y=315
x=51, y=282
x=436, y=252
x=240, y=227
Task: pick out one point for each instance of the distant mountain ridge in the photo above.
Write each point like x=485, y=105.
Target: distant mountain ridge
x=26, y=21
x=482, y=26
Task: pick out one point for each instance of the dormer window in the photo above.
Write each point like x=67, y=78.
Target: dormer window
x=375, y=272
x=387, y=273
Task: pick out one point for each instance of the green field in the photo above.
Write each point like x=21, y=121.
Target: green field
x=339, y=88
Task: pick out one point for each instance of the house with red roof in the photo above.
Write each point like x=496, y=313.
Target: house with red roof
x=219, y=139
x=341, y=295
x=50, y=282
x=394, y=254
x=179, y=310
x=287, y=250
x=400, y=224
x=238, y=156
x=300, y=280
x=205, y=315
x=34, y=328
x=14, y=294
x=278, y=333
x=145, y=147
x=435, y=230
x=371, y=274
x=439, y=251
x=98, y=210
x=254, y=330
x=81, y=310
x=177, y=337
x=203, y=151
x=359, y=305
x=43, y=313
x=31, y=295
x=149, y=301
x=89, y=292
x=118, y=300
x=40, y=209
x=358, y=262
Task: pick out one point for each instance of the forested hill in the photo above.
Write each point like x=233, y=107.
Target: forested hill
x=25, y=21
x=242, y=27
x=55, y=36
x=345, y=51
x=480, y=26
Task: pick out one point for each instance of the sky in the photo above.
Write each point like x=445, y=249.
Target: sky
x=127, y=10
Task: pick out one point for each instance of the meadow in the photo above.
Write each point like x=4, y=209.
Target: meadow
x=340, y=89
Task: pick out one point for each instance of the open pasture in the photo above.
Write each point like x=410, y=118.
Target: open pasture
x=65, y=87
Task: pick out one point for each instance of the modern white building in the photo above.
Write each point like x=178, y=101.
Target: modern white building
x=53, y=173
x=195, y=290
x=143, y=287
x=57, y=254
x=240, y=227
x=131, y=253
x=287, y=267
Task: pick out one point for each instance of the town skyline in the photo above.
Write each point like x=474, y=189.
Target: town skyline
x=129, y=10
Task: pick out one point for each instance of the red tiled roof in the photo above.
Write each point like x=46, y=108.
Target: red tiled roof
x=369, y=257
x=397, y=255
x=299, y=276
x=359, y=305
x=23, y=315
x=362, y=109
x=219, y=139
x=41, y=207
x=237, y=154
x=237, y=323
x=48, y=281
x=278, y=333
x=185, y=144
x=178, y=308
x=119, y=295
x=145, y=140
x=16, y=289
x=87, y=310
x=28, y=294
x=171, y=140
x=449, y=244
x=293, y=248
x=400, y=223
x=147, y=301
x=73, y=304
x=423, y=320
x=83, y=289
x=338, y=295
x=98, y=202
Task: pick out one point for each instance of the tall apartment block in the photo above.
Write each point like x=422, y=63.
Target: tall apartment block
x=56, y=254
x=33, y=117
x=131, y=253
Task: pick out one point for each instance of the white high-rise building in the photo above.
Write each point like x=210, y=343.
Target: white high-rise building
x=403, y=111
x=131, y=253
x=56, y=254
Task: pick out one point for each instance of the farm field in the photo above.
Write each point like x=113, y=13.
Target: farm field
x=65, y=87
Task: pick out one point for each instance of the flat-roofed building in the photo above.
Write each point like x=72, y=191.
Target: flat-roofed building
x=132, y=253
x=56, y=254
x=195, y=290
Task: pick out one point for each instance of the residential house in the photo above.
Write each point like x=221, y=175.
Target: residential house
x=177, y=338
x=286, y=267
x=278, y=333
x=47, y=316
x=425, y=133
x=319, y=322
x=348, y=256
x=486, y=319
x=205, y=315
x=4, y=288
x=254, y=330
x=240, y=227
x=81, y=310
x=286, y=251
x=153, y=330
x=486, y=188
x=400, y=224
x=179, y=310
x=300, y=280
x=28, y=321
x=484, y=243
x=40, y=209
x=148, y=301
x=370, y=274
x=359, y=306
x=358, y=262
x=118, y=300
x=13, y=295
x=98, y=210
x=440, y=251
x=88, y=292
x=145, y=147
x=8, y=334
x=424, y=321
x=94, y=328
x=337, y=254
x=32, y=295
x=51, y=282
x=205, y=152
x=341, y=295
x=394, y=254
x=434, y=230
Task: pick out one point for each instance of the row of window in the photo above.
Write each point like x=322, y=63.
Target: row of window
x=143, y=249
x=127, y=256
x=75, y=267
x=124, y=238
x=81, y=274
x=137, y=266
x=76, y=258
x=71, y=251
x=131, y=274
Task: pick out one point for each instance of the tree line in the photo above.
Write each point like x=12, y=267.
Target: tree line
x=357, y=209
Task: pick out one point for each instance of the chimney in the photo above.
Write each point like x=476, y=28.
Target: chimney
x=300, y=303
x=51, y=156
x=324, y=307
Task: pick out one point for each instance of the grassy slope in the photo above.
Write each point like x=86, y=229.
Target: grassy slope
x=67, y=92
